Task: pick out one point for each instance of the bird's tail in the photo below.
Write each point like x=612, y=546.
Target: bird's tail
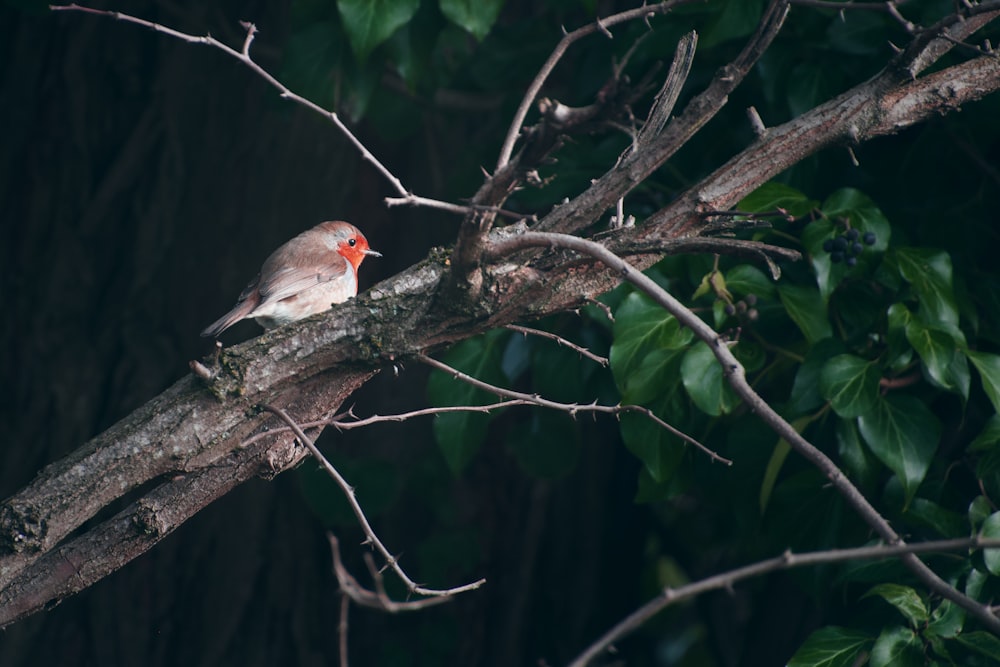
x=240, y=312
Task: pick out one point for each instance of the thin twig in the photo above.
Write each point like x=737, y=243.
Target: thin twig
x=570, y=408
x=377, y=599
x=560, y=340
x=372, y=538
x=602, y=25
x=339, y=422
x=243, y=56
x=736, y=375
x=788, y=560
x=460, y=209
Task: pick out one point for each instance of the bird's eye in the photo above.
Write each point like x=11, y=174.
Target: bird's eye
x=352, y=242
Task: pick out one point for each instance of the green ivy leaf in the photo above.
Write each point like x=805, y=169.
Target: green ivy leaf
x=808, y=310
x=979, y=510
x=745, y=279
x=982, y=643
x=903, y=433
x=900, y=352
x=947, y=620
x=647, y=340
x=897, y=647
x=805, y=394
x=460, y=434
x=830, y=647
x=941, y=355
x=475, y=16
x=991, y=529
x=929, y=514
x=850, y=383
x=368, y=23
x=988, y=366
x=859, y=462
x=988, y=437
x=773, y=195
x=904, y=599
x=929, y=273
x=705, y=382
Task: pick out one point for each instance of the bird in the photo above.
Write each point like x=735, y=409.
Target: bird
x=305, y=276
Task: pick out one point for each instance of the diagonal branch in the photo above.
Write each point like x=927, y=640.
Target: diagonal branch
x=243, y=55
x=736, y=375
x=786, y=561
x=393, y=563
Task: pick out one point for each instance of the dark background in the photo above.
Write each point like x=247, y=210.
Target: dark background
x=142, y=182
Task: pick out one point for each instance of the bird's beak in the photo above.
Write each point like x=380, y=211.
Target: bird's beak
x=373, y=253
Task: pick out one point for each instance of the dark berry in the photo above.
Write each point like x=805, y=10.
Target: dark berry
x=852, y=234
x=828, y=245
x=856, y=248
x=730, y=309
x=869, y=238
x=840, y=243
x=741, y=307
x=836, y=257
x=851, y=260
x=751, y=299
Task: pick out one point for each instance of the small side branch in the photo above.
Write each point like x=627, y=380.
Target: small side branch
x=663, y=103
x=601, y=25
x=582, y=351
x=372, y=538
x=378, y=598
x=570, y=408
x=786, y=561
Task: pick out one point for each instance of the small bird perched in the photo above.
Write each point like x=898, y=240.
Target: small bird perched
x=307, y=275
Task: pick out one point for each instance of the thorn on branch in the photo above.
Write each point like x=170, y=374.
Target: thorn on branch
x=756, y=123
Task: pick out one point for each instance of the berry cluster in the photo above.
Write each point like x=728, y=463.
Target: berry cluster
x=846, y=247
x=745, y=307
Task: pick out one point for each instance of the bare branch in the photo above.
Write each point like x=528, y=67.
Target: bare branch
x=373, y=539
x=568, y=39
x=663, y=104
x=339, y=422
x=377, y=599
x=570, y=408
x=561, y=341
x=243, y=56
x=736, y=375
x=786, y=561
x=636, y=167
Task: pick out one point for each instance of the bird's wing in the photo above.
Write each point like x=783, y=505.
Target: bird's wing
x=302, y=265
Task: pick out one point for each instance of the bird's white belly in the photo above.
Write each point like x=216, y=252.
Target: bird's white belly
x=310, y=301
